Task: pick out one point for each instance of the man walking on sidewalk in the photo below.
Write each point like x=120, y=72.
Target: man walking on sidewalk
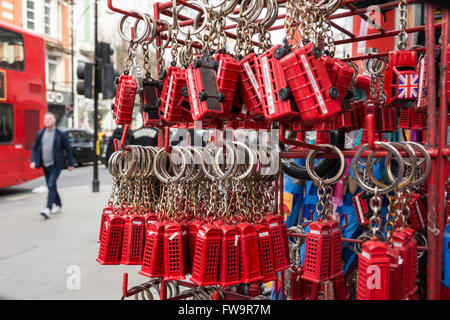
x=48, y=152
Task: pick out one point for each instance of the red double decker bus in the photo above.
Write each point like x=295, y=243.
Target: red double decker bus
x=22, y=102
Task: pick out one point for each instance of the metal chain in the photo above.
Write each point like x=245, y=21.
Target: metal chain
x=375, y=205
x=321, y=194
x=132, y=46
x=147, y=63
x=403, y=15
x=112, y=194
x=174, y=46
x=390, y=220
x=290, y=20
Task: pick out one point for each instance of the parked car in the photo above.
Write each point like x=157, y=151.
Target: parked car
x=82, y=145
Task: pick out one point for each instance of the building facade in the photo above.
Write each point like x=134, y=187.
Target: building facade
x=52, y=20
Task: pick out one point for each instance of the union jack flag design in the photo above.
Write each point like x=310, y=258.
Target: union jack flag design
x=408, y=86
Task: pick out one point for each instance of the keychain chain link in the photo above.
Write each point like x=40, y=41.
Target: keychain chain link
x=375, y=205
x=403, y=15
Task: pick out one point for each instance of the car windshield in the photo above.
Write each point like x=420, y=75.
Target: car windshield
x=79, y=136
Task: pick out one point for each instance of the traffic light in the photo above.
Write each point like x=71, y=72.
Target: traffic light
x=69, y=109
x=107, y=72
x=84, y=72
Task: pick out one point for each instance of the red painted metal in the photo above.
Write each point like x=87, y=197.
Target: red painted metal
x=279, y=242
x=107, y=210
x=227, y=77
x=111, y=242
x=310, y=85
x=272, y=82
x=173, y=252
x=250, y=263
x=266, y=252
x=373, y=271
x=124, y=102
x=205, y=269
x=171, y=94
x=133, y=239
x=437, y=154
x=442, y=160
x=153, y=259
x=229, y=273
x=317, y=252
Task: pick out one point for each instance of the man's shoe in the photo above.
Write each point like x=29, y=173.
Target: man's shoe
x=56, y=209
x=45, y=213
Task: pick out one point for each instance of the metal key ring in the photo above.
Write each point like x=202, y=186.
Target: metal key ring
x=138, y=160
x=206, y=3
x=412, y=163
x=199, y=29
x=135, y=39
x=254, y=14
x=113, y=165
x=310, y=165
x=251, y=169
x=252, y=160
x=127, y=164
x=178, y=176
x=169, y=36
x=356, y=174
x=355, y=68
x=274, y=168
x=221, y=175
x=150, y=153
x=152, y=32
x=245, y=13
x=388, y=166
x=196, y=154
x=189, y=165
x=162, y=175
x=135, y=169
x=229, y=8
x=161, y=156
x=269, y=15
x=427, y=159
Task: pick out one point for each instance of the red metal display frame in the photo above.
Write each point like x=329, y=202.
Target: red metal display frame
x=436, y=139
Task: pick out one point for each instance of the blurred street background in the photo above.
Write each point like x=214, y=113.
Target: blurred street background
x=36, y=254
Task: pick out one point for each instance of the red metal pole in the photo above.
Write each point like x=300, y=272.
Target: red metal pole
x=125, y=285
x=441, y=161
x=431, y=135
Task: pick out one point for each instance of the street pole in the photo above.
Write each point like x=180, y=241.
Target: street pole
x=95, y=182
x=75, y=122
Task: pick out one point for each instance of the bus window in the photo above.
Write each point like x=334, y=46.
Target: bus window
x=11, y=50
x=6, y=123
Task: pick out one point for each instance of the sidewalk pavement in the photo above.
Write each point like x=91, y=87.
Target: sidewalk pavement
x=37, y=256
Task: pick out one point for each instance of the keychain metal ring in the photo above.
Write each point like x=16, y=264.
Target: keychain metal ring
x=189, y=165
x=195, y=152
x=215, y=162
x=169, y=36
x=135, y=39
x=427, y=159
x=152, y=29
x=310, y=165
x=274, y=167
x=162, y=154
x=221, y=174
x=246, y=13
x=388, y=165
x=357, y=176
x=252, y=160
x=199, y=29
